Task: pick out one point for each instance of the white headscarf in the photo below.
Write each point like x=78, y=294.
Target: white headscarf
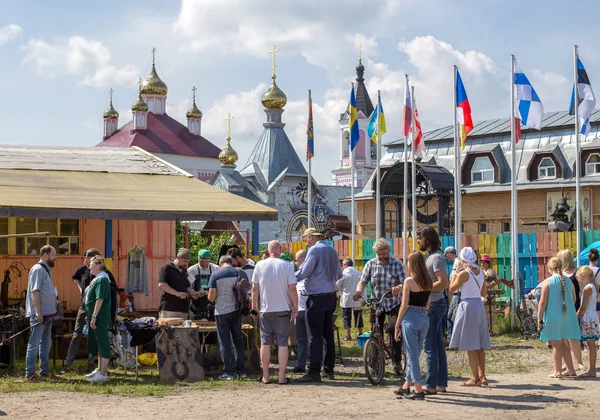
x=468, y=256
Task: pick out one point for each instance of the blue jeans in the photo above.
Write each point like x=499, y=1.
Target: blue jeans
x=229, y=328
x=435, y=350
x=302, y=336
x=40, y=341
x=414, y=329
x=453, y=304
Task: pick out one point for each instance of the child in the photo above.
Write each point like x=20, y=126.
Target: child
x=588, y=318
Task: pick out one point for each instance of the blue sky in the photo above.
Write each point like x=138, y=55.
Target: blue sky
x=60, y=58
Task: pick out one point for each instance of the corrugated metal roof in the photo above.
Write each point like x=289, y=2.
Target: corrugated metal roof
x=102, y=183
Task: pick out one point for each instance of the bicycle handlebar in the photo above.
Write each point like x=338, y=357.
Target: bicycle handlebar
x=374, y=303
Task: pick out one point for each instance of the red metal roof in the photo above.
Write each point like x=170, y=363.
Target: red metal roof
x=164, y=135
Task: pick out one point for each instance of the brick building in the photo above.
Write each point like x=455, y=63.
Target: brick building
x=546, y=171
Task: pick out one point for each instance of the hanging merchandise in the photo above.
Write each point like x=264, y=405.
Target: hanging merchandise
x=137, y=271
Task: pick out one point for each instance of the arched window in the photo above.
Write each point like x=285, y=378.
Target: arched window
x=546, y=169
x=345, y=145
x=482, y=170
x=592, y=164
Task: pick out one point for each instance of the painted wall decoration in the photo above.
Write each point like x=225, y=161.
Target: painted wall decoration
x=552, y=198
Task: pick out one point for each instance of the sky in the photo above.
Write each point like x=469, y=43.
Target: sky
x=59, y=59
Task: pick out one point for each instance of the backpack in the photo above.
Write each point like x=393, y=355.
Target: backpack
x=243, y=293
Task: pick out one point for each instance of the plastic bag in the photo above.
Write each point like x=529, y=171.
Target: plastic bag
x=148, y=359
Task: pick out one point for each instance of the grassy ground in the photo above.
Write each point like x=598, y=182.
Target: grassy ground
x=508, y=355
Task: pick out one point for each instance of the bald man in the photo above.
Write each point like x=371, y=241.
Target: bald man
x=275, y=282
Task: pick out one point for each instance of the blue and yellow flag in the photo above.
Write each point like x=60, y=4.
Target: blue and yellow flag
x=377, y=118
x=353, y=124
x=310, y=134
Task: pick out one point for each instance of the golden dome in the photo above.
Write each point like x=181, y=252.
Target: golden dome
x=153, y=85
x=111, y=113
x=139, y=105
x=194, y=112
x=274, y=97
x=228, y=156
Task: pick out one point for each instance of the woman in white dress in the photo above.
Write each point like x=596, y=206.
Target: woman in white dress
x=588, y=318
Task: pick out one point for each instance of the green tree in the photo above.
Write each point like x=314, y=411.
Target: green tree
x=196, y=242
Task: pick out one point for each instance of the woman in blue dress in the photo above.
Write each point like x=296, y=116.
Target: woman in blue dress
x=557, y=319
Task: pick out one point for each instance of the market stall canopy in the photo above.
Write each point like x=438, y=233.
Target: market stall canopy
x=111, y=183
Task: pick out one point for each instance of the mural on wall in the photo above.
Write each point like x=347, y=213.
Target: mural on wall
x=554, y=198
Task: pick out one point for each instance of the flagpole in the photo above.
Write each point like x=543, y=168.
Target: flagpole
x=513, y=193
x=353, y=215
x=405, y=195
x=457, y=174
x=578, y=168
x=414, y=170
x=378, y=172
x=310, y=204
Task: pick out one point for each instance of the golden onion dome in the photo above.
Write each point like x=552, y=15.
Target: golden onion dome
x=111, y=113
x=228, y=156
x=153, y=85
x=194, y=112
x=139, y=105
x=274, y=97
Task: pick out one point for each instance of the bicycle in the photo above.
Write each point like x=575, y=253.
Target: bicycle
x=378, y=350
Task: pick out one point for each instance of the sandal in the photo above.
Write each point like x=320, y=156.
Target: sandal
x=470, y=382
x=587, y=374
x=484, y=381
x=402, y=391
x=262, y=380
x=555, y=376
x=571, y=374
x=34, y=378
x=428, y=392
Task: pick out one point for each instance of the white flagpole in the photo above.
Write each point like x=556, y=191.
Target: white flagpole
x=404, y=202
x=310, y=204
x=414, y=170
x=513, y=192
x=457, y=175
x=577, y=158
x=378, y=173
x=353, y=213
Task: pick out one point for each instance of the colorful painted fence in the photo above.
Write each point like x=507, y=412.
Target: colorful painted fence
x=534, y=250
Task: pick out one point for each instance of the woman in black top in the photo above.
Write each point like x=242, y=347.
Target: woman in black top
x=413, y=321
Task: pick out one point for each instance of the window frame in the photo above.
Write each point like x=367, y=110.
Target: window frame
x=504, y=224
x=596, y=165
x=482, y=171
x=19, y=246
x=545, y=168
x=479, y=230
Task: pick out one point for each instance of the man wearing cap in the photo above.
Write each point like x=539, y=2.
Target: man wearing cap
x=198, y=276
x=82, y=279
x=322, y=270
x=175, y=287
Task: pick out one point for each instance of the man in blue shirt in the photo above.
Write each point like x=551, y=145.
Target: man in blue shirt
x=322, y=270
x=228, y=317
x=40, y=302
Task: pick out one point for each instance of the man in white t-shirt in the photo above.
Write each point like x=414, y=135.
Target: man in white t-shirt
x=275, y=282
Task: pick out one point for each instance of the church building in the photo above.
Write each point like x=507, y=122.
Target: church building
x=153, y=130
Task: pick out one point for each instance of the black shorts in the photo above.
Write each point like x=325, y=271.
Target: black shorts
x=347, y=318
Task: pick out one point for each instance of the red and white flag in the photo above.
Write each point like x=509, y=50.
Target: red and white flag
x=419, y=149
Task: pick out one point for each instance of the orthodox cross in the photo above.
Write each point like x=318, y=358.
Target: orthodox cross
x=228, y=119
x=194, y=93
x=140, y=84
x=153, y=55
x=111, y=92
x=273, y=51
x=360, y=47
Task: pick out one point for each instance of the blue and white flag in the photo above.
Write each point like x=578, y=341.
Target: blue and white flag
x=528, y=106
x=587, y=99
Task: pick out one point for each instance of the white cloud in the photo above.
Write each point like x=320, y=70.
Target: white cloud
x=554, y=89
x=318, y=30
x=80, y=57
x=9, y=33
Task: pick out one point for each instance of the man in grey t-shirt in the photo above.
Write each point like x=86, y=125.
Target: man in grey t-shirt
x=435, y=348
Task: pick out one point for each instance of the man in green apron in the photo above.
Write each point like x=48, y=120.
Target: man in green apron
x=198, y=276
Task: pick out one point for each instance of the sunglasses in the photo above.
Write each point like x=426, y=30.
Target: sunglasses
x=90, y=254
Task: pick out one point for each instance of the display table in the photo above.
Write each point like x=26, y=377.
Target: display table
x=184, y=353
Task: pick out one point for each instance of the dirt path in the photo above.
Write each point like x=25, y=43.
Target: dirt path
x=529, y=396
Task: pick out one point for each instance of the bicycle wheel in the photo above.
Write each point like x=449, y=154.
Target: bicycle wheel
x=374, y=361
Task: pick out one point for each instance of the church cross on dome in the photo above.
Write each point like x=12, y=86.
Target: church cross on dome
x=194, y=89
x=110, y=92
x=153, y=55
x=273, y=51
x=228, y=119
x=360, y=48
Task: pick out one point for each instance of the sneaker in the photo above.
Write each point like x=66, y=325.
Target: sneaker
x=416, y=396
x=92, y=373
x=225, y=377
x=242, y=376
x=34, y=378
x=98, y=378
x=299, y=370
x=309, y=377
x=327, y=375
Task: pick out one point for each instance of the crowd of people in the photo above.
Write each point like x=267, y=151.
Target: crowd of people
x=428, y=310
